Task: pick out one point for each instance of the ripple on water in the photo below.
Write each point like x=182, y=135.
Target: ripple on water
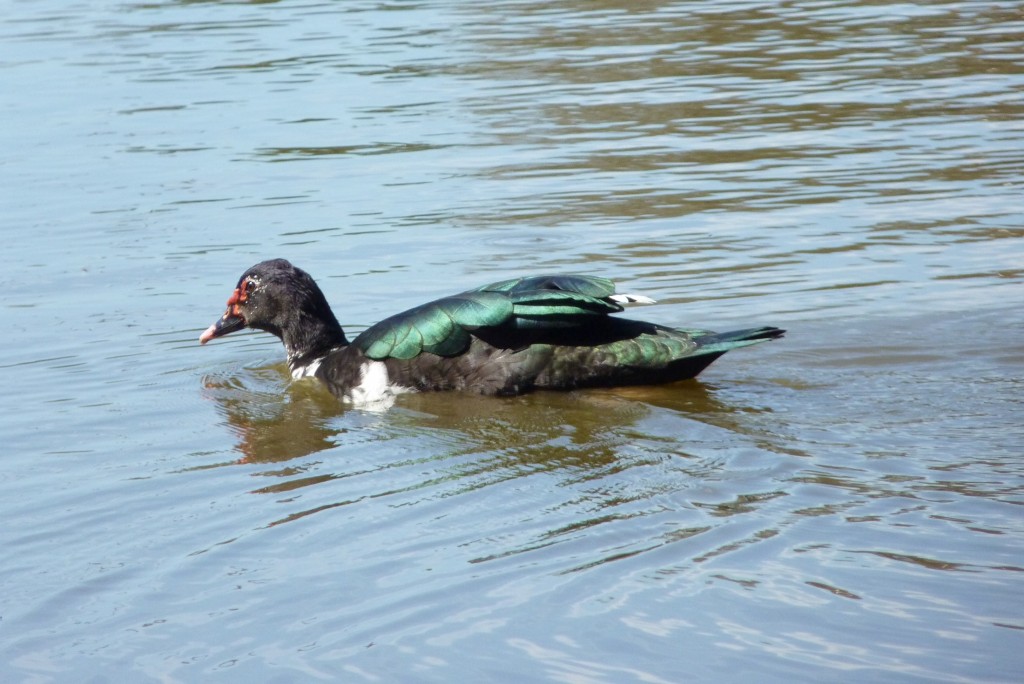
x=845, y=170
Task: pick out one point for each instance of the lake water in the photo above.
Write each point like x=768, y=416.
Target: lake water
x=841, y=505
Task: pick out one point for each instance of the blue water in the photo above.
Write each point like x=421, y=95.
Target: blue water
x=839, y=505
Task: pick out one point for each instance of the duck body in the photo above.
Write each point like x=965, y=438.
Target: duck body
x=506, y=338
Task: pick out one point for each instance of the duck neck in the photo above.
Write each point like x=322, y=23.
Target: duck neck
x=309, y=340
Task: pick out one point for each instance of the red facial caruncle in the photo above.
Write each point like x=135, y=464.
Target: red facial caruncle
x=239, y=296
x=233, y=319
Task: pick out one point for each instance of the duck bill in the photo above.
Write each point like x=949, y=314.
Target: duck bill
x=225, y=325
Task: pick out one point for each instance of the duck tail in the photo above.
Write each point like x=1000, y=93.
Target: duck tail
x=719, y=343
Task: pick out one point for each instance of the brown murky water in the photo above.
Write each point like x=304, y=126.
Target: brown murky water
x=840, y=505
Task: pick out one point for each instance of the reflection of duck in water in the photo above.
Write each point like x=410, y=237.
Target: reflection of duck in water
x=556, y=428
x=269, y=429
x=547, y=332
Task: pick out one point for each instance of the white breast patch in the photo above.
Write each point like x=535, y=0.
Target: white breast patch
x=306, y=371
x=374, y=386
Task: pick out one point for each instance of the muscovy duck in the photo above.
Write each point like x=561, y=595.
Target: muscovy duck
x=511, y=337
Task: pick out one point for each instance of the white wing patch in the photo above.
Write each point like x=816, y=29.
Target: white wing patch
x=375, y=388
x=625, y=298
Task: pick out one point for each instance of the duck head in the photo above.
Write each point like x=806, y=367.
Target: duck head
x=285, y=301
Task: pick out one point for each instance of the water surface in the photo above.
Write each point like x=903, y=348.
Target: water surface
x=839, y=505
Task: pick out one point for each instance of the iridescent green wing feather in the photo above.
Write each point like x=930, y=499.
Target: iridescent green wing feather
x=587, y=285
x=443, y=327
x=556, y=301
